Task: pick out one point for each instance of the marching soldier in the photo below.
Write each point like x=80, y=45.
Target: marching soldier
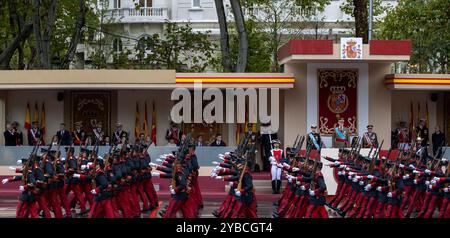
x=341, y=135
x=370, y=138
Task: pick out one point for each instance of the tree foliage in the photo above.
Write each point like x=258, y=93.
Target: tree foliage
x=426, y=23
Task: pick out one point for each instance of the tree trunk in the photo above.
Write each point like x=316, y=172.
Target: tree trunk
x=360, y=13
x=8, y=51
x=242, y=35
x=76, y=37
x=224, y=38
x=43, y=40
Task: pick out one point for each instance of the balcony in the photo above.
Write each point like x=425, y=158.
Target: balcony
x=133, y=15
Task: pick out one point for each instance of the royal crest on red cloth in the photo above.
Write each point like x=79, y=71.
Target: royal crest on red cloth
x=337, y=99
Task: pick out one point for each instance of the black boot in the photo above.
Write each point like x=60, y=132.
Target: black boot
x=278, y=186
x=274, y=187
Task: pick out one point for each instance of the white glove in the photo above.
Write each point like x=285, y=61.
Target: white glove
x=427, y=182
x=351, y=173
x=342, y=166
x=63, y=159
x=76, y=175
x=370, y=176
x=21, y=188
x=213, y=175
x=355, y=180
x=170, y=187
x=339, y=173
x=389, y=194
x=349, y=177
x=427, y=171
x=83, y=167
x=295, y=169
x=361, y=183
x=358, y=177
x=415, y=181
x=93, y=191
x=289, y=179
x=379, y=188
x=367, y=187
x=406, y=176
x=172, y=191
x=237, y=193
x=444, y=160
x=432, y=182
x=12, y=168
x=230, y=184
x=286, y=165
x=303, y=187
x=90, y=163
x=155, y=174
x=227, y=153
x=19, y=162
x=411, y=166
x=312, y=193
x=215, y=163
x=152, y=164
x=446, y=190
x=219, y=177
x=4, y=181
x=347, y=168
x=430, y=186
x=436, y=178
x=298, y=182
x=220, y=156
x=416, y=172
x=337, y=163
x=401, y=165
x=158, y=160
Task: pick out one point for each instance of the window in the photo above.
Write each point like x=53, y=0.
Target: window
x=145, y=3
x=117, y=45
x=144, y=43
x=117, y=3
x=196, y=3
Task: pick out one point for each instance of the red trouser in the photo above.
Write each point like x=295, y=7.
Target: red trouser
x=243, y=210
x=86, y=189
x=62, y=195
x=407, y=196
x=345, y=190
x=284, y=204
x=176, y=205
x=224, y=205
x=191, y=203
x=78, y=195
x=356, y=205
x=316, y=211
x=380, y=211
x=428, y=206
x=150, y=191
x=229, y=210
x=286, y=191
x=115, y=207
x=393, y=211
x=302, y=207
x=27, y=209
x=416, y=201
x=123, y=203
x=351, y=201
x=363, y=206
x=102, y=209
x=445, y=203
x=43, y=203
x=52, y=198
x=370, y=207
x=290, y=211
x=143, y=196
x=198, y=193
x=350, y=197
x=134, y=200
x=338, y=191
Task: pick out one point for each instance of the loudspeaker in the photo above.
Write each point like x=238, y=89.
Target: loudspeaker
x=434, y=97
x=60, y=96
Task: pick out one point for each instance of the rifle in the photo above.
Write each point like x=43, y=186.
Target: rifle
x=29, y=163
x=374, y=158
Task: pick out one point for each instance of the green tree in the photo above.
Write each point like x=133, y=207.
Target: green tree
x=427, y=24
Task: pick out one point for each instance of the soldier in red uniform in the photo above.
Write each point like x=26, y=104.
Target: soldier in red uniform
x=276, y=160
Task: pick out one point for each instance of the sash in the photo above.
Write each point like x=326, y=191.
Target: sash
x=313, y=138
x=33, y=134
x=98, y=135
x=340, y=134
x=117, y=136
x=76, y=137
x=369, y=141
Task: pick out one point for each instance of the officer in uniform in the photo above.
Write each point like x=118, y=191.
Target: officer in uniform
x=78, y=135
x=313, y=140
x=34, y=134
x=341, y=135
x=276, y=160
x=370, y=138
x=98, y=133
x=118, y=134
x=422, y=131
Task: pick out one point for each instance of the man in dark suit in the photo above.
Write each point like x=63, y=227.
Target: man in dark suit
x=10, y=138
x=218, y=141
x=64, y=136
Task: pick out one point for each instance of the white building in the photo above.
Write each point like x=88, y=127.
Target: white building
x=127, y=21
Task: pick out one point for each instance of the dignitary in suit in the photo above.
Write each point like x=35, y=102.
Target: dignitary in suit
x=63, y=135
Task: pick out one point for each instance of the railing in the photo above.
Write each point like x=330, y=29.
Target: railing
x=205, y=155
x=156, y=13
